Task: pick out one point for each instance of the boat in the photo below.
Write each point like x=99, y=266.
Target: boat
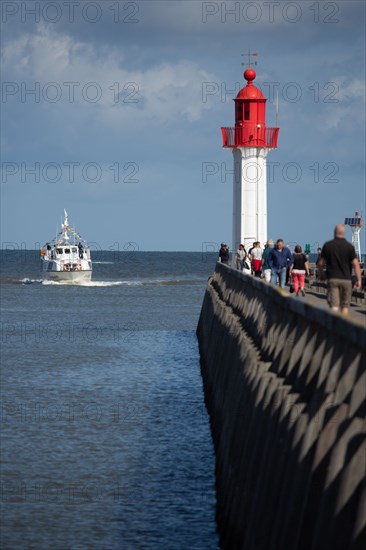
x=67, y=257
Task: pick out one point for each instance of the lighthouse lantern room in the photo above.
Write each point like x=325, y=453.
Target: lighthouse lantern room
x=250, y=141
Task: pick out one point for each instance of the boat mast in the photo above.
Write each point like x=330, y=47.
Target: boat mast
x=65, y=226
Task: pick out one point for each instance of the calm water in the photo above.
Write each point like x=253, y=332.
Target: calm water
x=105, y=437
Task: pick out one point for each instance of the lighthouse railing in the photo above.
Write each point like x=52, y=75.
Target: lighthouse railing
x=249, y=136
x=228, y=137
x=272, y=137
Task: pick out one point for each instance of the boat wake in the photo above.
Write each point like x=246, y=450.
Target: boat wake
x=90, y=283
x=27, y=281
x=127, y=282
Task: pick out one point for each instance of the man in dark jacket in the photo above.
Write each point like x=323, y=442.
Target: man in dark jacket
x=339, y=256
x=279, y=260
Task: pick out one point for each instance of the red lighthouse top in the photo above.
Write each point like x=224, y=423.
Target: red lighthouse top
x=250, y=119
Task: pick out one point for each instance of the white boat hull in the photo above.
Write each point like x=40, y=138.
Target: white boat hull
x=67, y=276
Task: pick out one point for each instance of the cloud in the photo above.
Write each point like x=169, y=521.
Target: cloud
x=349, y=107
x=349, y=89
x=163, y=91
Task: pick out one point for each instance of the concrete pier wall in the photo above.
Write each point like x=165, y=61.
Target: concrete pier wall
x=285, y=386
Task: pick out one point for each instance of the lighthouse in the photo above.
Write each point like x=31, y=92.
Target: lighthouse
x=250, y=141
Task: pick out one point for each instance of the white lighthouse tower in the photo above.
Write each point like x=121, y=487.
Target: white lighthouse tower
x=250, y=141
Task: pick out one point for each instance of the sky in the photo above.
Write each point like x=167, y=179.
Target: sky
x=113, y=110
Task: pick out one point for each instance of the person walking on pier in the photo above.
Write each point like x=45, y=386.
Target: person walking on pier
x=339, y=257
x=224, y=255
x=241, y=260
x=256, y=255
x=279, y=260
x=266, y=270
x=240, y=256
x=250, y=256
x=298, y=269
x=319, y=253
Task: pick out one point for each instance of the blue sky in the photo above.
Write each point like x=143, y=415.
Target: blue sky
x=123, y=126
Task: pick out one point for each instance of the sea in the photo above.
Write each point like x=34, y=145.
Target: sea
x=105, y=439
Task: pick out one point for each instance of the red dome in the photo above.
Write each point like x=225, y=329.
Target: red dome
x=250, y=91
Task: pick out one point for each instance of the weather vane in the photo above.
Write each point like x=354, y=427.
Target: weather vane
x=250, y=62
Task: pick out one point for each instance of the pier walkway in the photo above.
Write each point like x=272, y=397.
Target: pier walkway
x=319, y=299
x=316, y=294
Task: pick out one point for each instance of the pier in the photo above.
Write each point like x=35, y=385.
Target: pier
x=285, y=387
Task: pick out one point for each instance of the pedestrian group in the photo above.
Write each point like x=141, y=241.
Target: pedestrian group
x=274, y=264
x=277, y=265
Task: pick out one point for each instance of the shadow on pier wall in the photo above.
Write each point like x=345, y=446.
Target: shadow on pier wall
x=285, y=387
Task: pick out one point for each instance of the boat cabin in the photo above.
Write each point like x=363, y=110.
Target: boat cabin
x=67, y=258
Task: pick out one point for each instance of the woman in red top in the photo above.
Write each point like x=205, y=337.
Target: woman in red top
x=256, y=257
